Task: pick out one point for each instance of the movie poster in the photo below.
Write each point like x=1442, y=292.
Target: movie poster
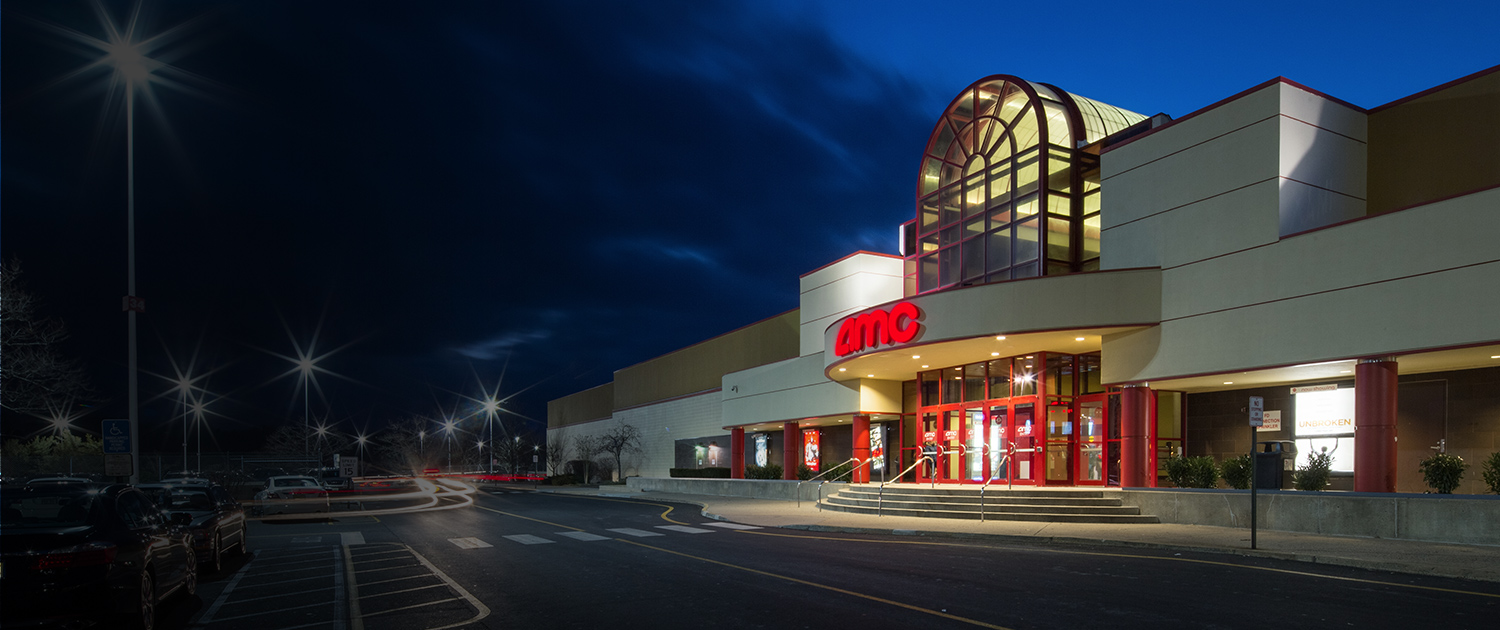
x=877, y=447
x=810, y=448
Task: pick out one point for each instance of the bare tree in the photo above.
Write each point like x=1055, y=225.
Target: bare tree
x=586, y=447
x=557, y=452
x=623, y=438
x=291, y=440
x=35, y=378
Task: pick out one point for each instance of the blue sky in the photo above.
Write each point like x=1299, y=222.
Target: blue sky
x=538, y=194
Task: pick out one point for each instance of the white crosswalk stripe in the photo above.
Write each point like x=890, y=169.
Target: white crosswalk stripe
x=730, y=525
x=528, y=539
x=635, y=532
x=584, y=536
x=469, y=543
x=685, y=529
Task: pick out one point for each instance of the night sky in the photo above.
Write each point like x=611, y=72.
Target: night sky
x=527, y=196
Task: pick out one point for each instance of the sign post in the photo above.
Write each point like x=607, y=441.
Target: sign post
x=116, y=438
x=1257, y=418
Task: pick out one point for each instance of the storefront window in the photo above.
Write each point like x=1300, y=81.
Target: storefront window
x=974, y=382
x=1023, y=376
x=1059, y=374
x=999, y=378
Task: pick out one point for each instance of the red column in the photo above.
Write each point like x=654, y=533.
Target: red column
x=1134, y=409
x=736, y=453
x=861, y=449
x=791, y=450
x=1375, y=425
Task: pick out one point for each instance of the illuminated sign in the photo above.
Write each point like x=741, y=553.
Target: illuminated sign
x=1325, y=412
x=762, y=449
x=878, y=328
x=810, y=448
x=877, y=448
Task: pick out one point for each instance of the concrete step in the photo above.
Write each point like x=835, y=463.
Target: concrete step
x=974, y=500
x=998, y=516
x=964, y=491
x=989, y=507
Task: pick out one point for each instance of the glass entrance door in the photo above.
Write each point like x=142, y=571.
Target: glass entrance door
x=1059, y=442
x=1091, y=424
x=1028, y=447
x=974, y=444
x=999, y=466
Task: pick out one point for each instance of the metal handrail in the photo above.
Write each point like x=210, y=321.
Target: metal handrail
x=851, y=472
x=1008, y=484
x=831, y=469
x=880, y=494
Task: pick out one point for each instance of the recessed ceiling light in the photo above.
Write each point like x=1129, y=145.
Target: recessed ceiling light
x=924, y=366
x=1002, y=338
x=1343, y=371
x=1228, y=382
x=869, y=376
x=1078, y=339
x=1496, y=356
x=994, y=354
x=842, y=370
x=1028, y=356
x=916, y=356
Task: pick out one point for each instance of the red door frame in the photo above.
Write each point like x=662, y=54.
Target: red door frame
x=1080, y=463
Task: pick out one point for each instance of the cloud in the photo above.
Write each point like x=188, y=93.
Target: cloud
x=501, y=344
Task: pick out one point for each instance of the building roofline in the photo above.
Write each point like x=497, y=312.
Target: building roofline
x=1436, y=89
x=847, y=257
x=723, y=334
x=1230, y=99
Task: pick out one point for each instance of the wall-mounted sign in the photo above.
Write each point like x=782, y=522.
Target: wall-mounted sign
x=1314, y=388
x=878, y=328
x=951, y=435
x=762, y=449
x=1272, y=421
x=810, y=448
x=877, y=447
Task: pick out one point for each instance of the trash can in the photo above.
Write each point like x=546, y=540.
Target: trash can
x=1269, y=458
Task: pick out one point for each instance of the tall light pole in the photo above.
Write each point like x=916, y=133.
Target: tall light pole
x=491, y=406
x=422, y=447
x=448, y=439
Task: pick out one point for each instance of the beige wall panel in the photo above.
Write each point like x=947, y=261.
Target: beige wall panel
x=1306, y=207
x=1442, y=144
x=698, y=367
x=877, y=396
x=660, y=426
x=1127, y=355
x=789, y=390
x=1443, y=309
x=1322, y=158
x=1051, y=303
x=585, y=406
x=1129, y=246
x=1230, y=222
x=1420, y=240
x=854, y=283
x=1184, y=133
x=1244, y=157
x=1321, y=112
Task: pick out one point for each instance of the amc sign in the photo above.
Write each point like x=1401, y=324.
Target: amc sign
x=878, y=328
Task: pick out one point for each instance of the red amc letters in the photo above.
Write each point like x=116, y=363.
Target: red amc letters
x=878, y=328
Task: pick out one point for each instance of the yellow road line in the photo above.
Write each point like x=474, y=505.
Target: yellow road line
x=835, y=589
x=663, y=515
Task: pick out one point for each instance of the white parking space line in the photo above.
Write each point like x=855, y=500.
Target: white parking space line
x=730, y=525
x=528, y=539
x=635, y=532
x=352, y=538
x=685, y=529
x=469, y=543
x=302, y=540
x=584, y=536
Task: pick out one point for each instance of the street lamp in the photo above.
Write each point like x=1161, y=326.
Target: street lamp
x=361, y=439
x=491, y=406
x=422, y=447
x=448, y=439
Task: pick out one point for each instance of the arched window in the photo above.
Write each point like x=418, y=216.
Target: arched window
x=1001, y=194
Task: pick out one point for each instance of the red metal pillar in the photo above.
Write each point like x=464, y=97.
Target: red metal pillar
x=1375, y=425
x=737, y=453
x=1134, y=409
x=791, y=450
x=861, y=449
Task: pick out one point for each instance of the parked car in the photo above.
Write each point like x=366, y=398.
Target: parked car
x=52, y=480
x=290, y=494
x=218, y=521
x=73, y=553
x=262, y=474
x=331, y=479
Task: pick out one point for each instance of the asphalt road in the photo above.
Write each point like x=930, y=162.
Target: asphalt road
x=521, y=559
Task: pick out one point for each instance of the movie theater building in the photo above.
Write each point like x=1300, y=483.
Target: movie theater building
x=1084, y=290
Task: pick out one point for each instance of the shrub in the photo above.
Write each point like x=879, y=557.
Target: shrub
x=769, y=471
x=804, y=473
x=1492, y=472
x=1314, y=476
x=562, y=480
x=1237, y=472
x=840, y=472
x=1443, y=472
x=1192, y=472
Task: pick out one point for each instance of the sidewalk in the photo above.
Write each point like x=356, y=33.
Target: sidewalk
x=1472, y=562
